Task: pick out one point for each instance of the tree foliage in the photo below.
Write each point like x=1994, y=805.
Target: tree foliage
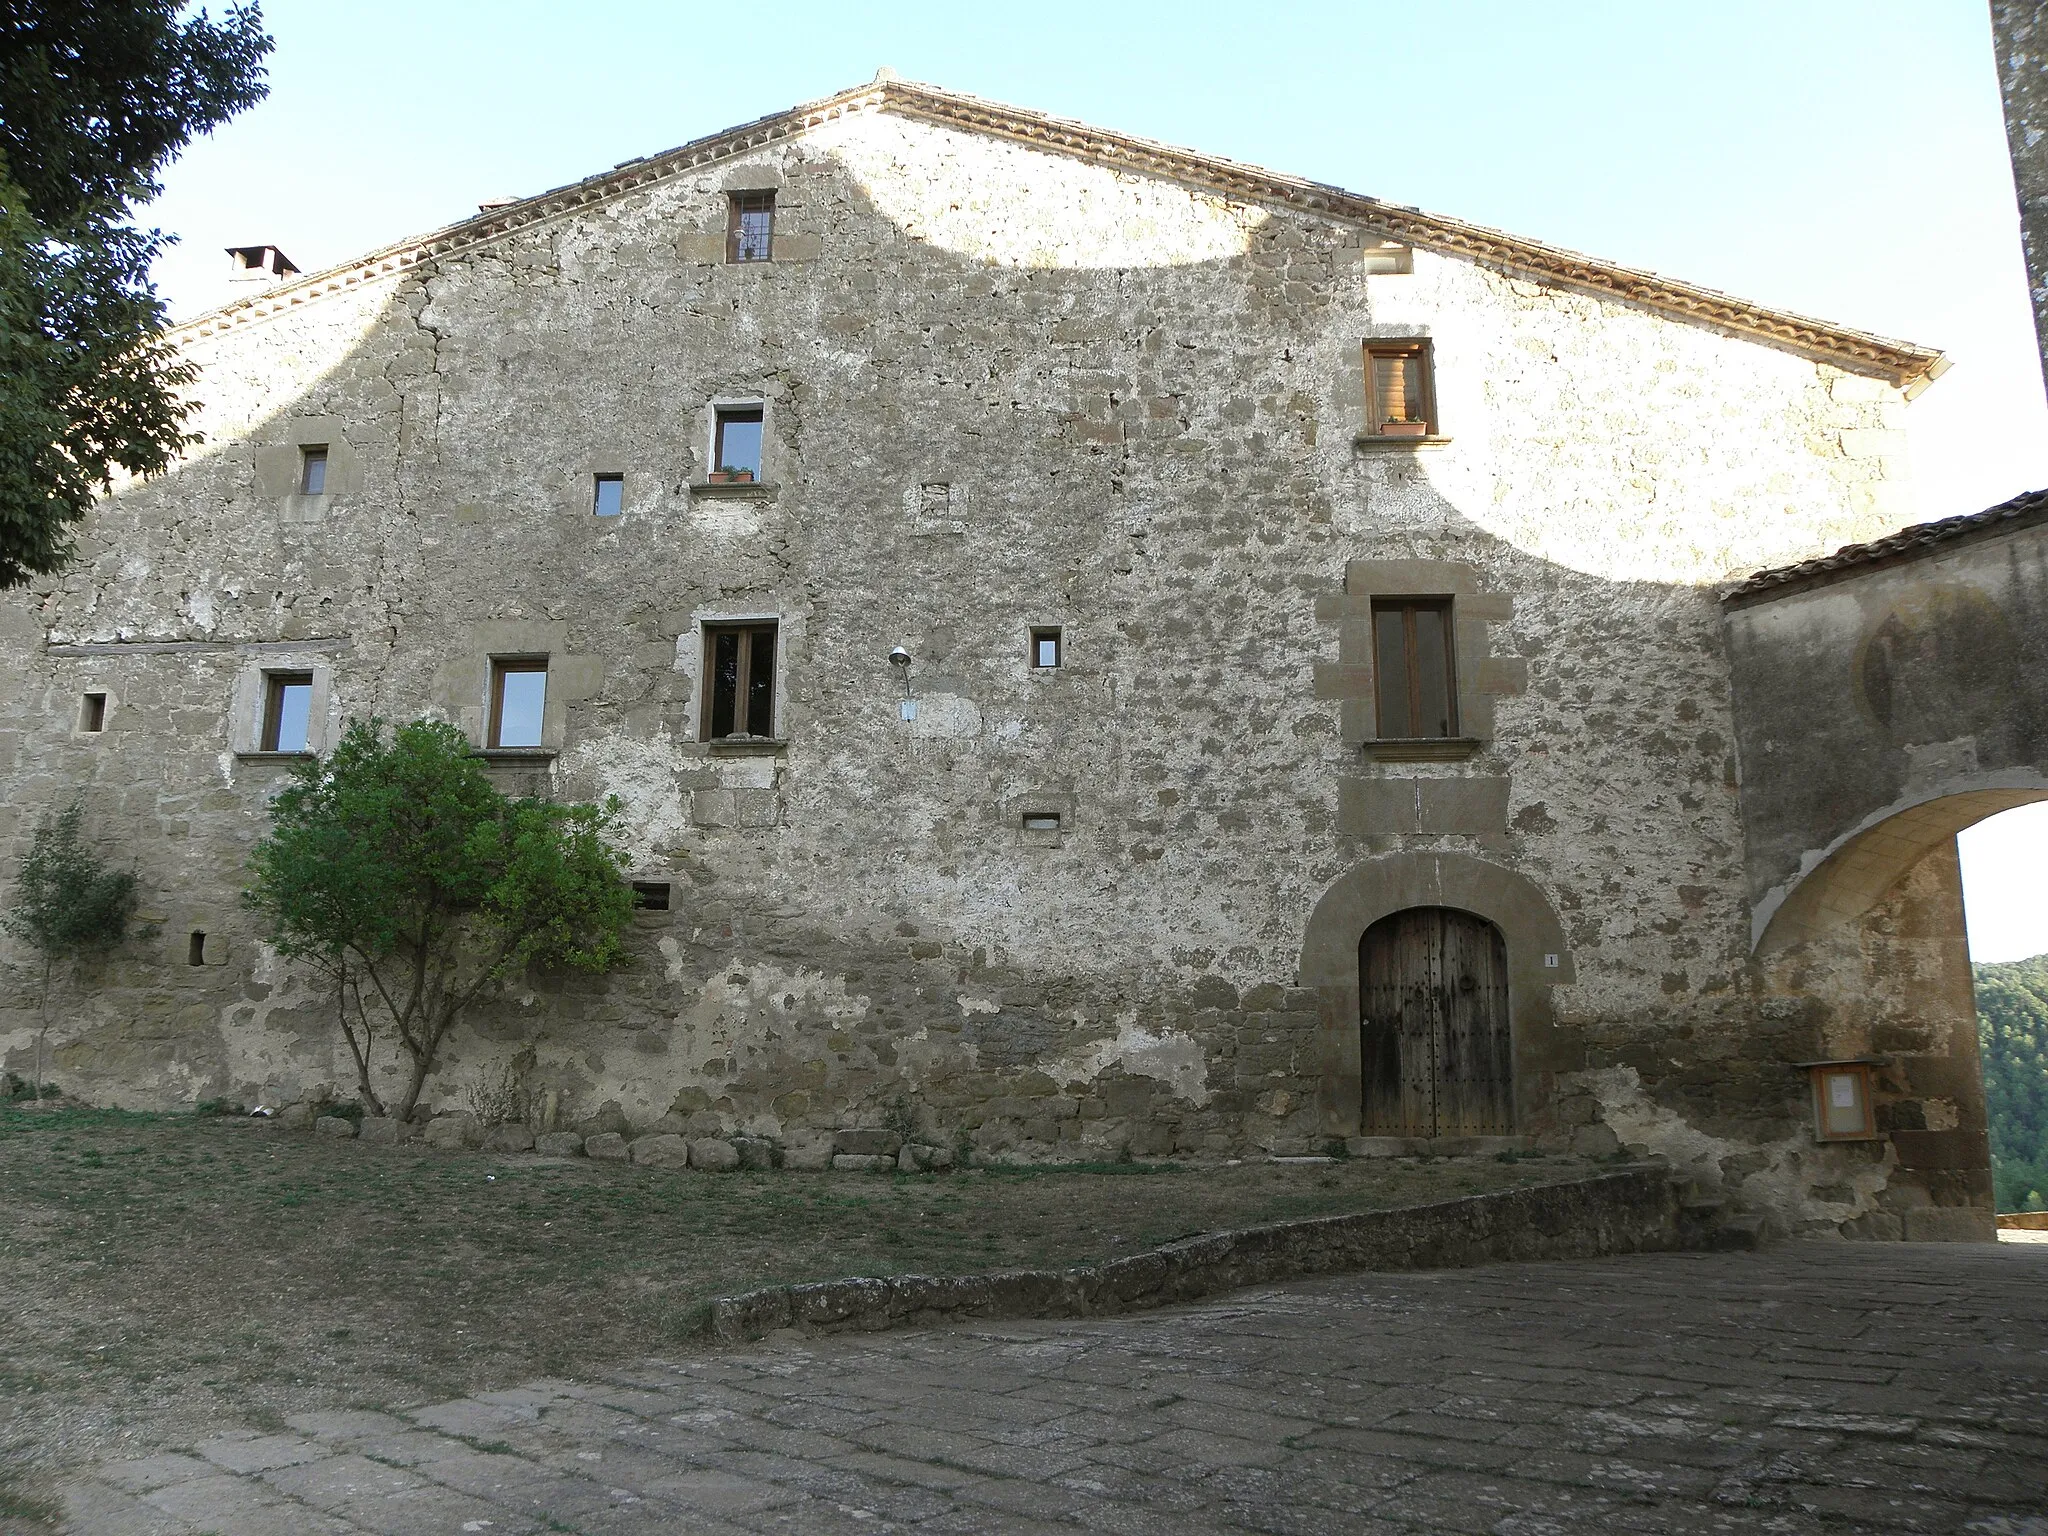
x=95, y=100
x=2012, y=1033
x=398, y=869
x=68, y=903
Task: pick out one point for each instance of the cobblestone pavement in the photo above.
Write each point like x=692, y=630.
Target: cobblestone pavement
x=1813, y=1387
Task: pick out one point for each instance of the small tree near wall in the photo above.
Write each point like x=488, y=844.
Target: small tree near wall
x=398, y=869
x=68, y=903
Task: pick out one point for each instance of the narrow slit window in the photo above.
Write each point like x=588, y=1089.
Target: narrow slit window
x=287, y=712
x=609, y=497
x=1415, y=682
x=736, y=450
x=750, y=227
x=739, y=668
x=1400, y=390
x=1041, y=821
x=1046, y=647
x=650, y=895
x=519, y=696
x=195, y=948
x=92, y=713
x=313, y=471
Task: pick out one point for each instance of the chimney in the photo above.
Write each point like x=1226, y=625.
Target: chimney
x=263, y=264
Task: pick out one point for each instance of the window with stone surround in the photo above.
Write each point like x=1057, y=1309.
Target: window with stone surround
x=313, y=470
x=750, y=226
x=519, y=694
x=1046, y=646
x=1415, y=679
x=736, y=444
x=287, y=712
x=739, y=681
x=1400, y=389
x=92, y=713
x=608, y=498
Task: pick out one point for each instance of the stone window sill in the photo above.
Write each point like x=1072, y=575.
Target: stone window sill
x=272, y=757
x=1372, y=442
x=517, y=754
x=741, y=746
x=1421, y=749
x=763, y=490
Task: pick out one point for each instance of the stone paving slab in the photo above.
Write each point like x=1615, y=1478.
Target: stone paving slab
x=1830, y=1389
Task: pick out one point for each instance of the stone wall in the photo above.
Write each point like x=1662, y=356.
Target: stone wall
x=2021, y=34
x=1002, y=387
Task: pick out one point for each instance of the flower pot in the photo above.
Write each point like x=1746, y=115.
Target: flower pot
x=1404, y=429
x=732, y=477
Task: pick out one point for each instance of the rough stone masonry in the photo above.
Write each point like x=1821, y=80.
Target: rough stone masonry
x=1012, y=376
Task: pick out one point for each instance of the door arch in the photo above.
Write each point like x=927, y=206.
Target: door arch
x=1435, y=1045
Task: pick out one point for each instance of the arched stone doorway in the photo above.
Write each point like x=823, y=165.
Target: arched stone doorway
x=1436, y=1050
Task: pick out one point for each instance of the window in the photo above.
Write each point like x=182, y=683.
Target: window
x=287, y=712
x=609, y=499
x=1400, y=394
x=519, y=696
x=195, y=948
x=1411, y=652
x=736, y=448
x=650, y=895
x=1041, y=821
x=312, y=471
x=92, y=713
x=1045, y=647
x=739, y=688
x=750, y=226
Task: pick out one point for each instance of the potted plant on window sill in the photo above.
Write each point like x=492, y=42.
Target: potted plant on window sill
x=1404, y=429
x=730, y=475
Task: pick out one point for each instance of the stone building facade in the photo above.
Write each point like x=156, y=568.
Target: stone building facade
x=1015, y=380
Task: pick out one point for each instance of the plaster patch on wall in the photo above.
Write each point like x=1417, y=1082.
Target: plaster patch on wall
x=1173, y=1058
x=642, y=774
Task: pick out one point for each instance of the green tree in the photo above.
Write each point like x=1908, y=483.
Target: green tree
x=2012, y=1034
x=95, y=100
x=68, y=903
x=398, y=869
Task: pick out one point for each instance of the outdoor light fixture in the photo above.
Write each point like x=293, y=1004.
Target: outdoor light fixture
x=899, y=657
x=1841, y=1099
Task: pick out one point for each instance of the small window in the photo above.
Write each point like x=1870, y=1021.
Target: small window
x=519, y=696
x=750, y=227
x=287, y=711
x=1416, y=688
x=609, y=499
x=736, y=449
x=1041, y=821
x=1045, y=647
x=313, y=471
x=1400, y=392
x=92, y=713
x=739, y=668
x=195, y=948
x=650, y=895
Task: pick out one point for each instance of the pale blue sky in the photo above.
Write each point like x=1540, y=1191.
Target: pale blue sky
x=1844, y=158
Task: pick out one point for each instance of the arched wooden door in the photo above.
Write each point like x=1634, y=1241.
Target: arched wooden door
x=1435, y=1048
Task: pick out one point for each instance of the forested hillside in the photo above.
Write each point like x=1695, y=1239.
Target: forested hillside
x=2012, y=1025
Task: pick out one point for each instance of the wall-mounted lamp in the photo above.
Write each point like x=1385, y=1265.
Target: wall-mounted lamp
x=899, y=657
x=1841, y=1099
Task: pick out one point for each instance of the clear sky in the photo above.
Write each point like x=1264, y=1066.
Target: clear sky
x=1843, y=158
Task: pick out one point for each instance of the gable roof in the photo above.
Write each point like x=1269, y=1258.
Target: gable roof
x=2027, y=510
x=1899, y=363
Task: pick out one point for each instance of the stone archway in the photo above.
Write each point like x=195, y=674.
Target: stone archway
x=1537, y=959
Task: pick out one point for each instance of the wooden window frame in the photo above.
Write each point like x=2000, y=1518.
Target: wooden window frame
x=743, y=678
x=1820, y=1072
x=1055, y=633
x=314, y=456
x=724, y=415
x=1417, y=347
x=274, y=685
x=737, y=205
x=503, y=667
x=1408, y=607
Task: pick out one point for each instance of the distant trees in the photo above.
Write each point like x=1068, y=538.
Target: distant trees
x=95, y=100
x=399, y=870
x=2012, y=1032
x=68, y=903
